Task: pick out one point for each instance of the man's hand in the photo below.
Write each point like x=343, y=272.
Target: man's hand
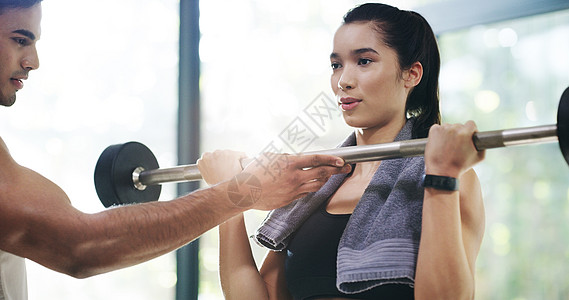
x=271, y=180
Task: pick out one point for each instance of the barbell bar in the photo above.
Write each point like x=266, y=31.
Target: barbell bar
x=128, y=173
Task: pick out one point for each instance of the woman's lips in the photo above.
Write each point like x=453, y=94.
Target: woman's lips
x=349, y=103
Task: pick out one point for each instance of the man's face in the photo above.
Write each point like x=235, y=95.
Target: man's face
x=19, y=32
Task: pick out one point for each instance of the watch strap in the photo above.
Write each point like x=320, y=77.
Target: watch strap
x=440, y=182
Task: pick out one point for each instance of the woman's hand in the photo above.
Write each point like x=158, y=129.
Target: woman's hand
x=220, y=165
x=450, y=150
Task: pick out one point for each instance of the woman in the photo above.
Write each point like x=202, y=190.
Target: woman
x=380, y=232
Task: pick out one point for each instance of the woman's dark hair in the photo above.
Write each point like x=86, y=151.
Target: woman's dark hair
x=412, y=38
x=13, y=4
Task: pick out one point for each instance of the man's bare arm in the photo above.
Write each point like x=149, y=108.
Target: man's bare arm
x=37, y=220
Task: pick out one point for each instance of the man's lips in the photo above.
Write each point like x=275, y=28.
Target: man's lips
x=18, y=83
x=348, y=103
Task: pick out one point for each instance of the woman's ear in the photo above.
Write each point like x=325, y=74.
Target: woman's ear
x=413, y=75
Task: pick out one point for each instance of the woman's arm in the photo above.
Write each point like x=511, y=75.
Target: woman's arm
x=453, y=221
x=452, y=230
x=273, y=273
x=239, y=276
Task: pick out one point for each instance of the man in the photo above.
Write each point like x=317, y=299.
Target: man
x=38, y=222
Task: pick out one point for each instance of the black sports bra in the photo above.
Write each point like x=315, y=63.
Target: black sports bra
x=310, y=264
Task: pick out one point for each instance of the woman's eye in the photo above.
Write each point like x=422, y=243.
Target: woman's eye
x=364, y=61
x=335, y=66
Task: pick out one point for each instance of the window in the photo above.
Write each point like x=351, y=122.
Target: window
x=108, y=75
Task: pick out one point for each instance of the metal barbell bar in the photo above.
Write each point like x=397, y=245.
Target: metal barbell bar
x=355, y=154
x=127, y=173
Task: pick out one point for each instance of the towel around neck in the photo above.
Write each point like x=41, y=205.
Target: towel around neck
x=381, y=240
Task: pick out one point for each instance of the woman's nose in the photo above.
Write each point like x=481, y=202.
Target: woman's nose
x=344, y=86
x=346, y=81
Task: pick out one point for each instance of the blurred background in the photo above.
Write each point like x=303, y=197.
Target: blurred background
x=109, y=74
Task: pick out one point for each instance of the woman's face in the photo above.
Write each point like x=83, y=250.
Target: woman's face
x=366, y=78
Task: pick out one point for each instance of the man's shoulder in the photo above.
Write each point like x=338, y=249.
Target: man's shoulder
x=3, y=146
x=4, y=152
x=6, y=159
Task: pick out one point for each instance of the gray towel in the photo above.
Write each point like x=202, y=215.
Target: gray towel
x=381, y=240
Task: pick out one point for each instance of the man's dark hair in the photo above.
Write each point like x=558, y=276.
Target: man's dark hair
x=14, y=4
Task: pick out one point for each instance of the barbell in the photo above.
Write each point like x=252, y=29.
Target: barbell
x=129, y=173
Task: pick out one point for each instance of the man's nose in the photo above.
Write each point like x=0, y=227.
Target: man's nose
x=31, y=60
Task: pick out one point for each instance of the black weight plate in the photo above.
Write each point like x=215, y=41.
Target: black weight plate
x=563, y=124
x=113, y=174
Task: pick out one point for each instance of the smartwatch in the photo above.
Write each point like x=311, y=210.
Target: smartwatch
x=440, y=182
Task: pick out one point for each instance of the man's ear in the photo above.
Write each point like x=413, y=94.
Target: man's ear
x=413, y=75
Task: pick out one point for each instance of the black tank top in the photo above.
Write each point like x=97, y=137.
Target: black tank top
x=310, y=264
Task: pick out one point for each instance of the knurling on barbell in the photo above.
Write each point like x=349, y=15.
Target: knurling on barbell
x=129, y=173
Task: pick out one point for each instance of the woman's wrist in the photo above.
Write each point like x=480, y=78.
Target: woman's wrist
x=442, y=171
x=444, y=183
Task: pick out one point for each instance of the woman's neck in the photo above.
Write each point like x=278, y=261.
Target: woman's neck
x=375, y=135
x=379, y=134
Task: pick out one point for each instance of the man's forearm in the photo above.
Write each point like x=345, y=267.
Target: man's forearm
x=128, y=235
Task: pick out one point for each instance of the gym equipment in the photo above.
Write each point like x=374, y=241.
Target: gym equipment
x=129, y=173
x=114, y=174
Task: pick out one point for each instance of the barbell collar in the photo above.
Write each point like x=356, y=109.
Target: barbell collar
x=356, y=154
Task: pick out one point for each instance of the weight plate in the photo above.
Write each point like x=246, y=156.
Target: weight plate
x=113, y=174
x=563, y=124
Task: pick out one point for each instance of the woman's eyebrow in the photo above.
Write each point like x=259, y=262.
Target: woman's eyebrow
x=25, y=33
x=363, y=50
x=355, y=52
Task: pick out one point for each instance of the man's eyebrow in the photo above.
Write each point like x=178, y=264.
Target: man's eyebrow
x=25, y=33
x=334, y=55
